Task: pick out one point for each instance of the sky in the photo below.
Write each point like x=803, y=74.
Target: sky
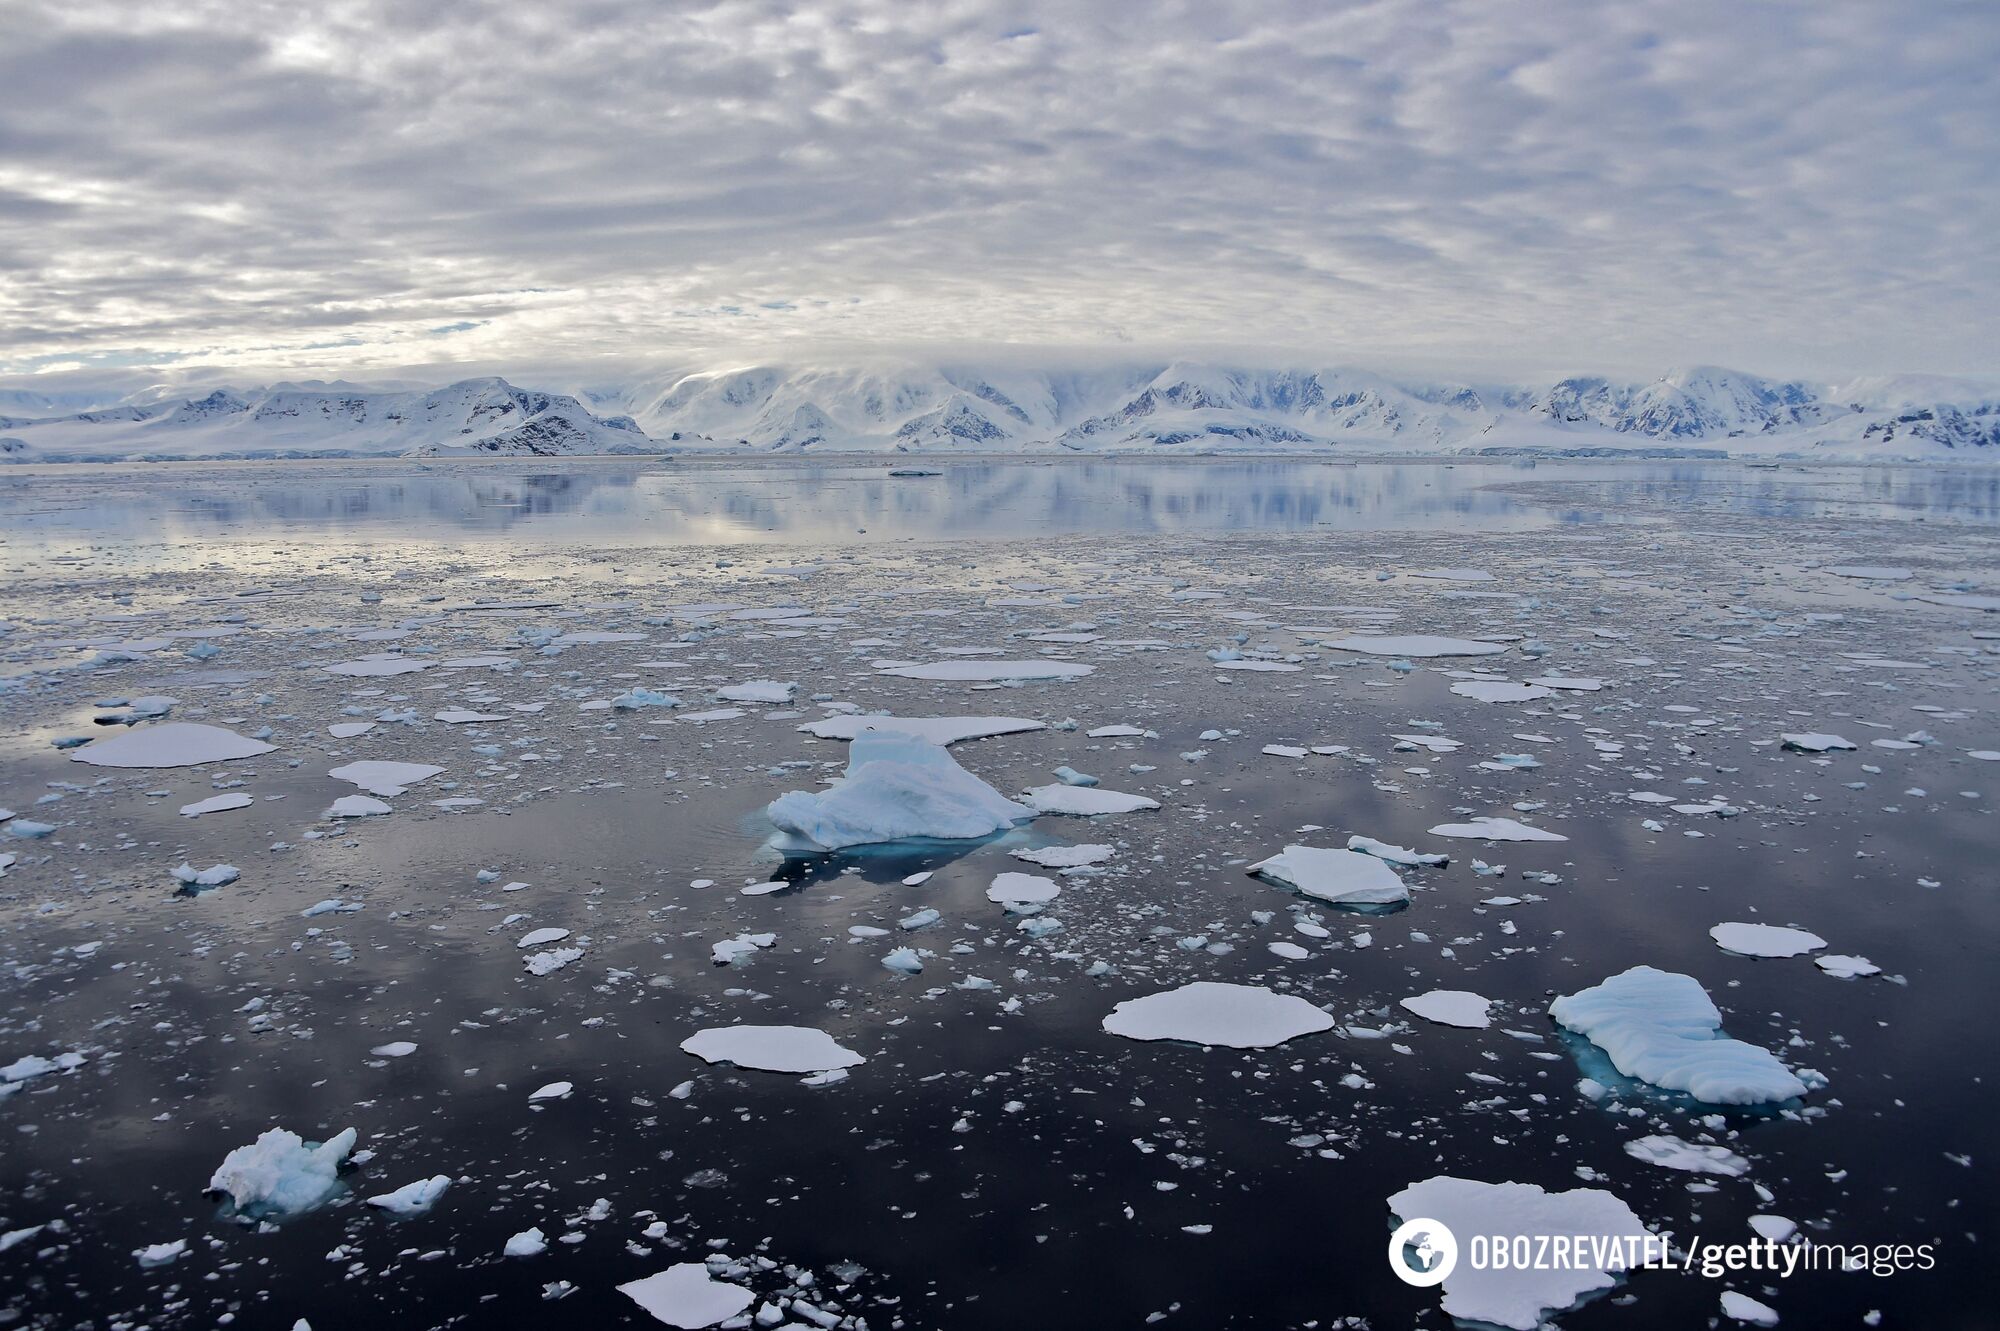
x=355, y=188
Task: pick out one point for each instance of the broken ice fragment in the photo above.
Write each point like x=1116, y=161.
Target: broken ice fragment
x=1234, y=1016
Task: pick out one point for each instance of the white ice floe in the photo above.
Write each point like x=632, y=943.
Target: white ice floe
x=896, y=786
x=1235, y=1016
x=1660, y=1027
x=1115, y=732
x=1871, y=572
x=686, y=1296
x=216, y=804
x=1499, y=690
x=1452, y=1007
x=1066, y=857
x=1415, y=644
x=1689, y=1157
x=1573, y=684
x=555, y=1090
x=384, y=778
x=395, y=1049
x=215, y=875
x=758, y=690
x=412, y=1198
x=541, y=938
x=1409, y=859
x=1842, y=967
x=279, y=1174
x=1495, y=829
x=529, y=1242
x=551, y=961
x=1023, y=889
x=461, y=716
x=731, y=950
x=1764, y=940
x=175, y=744
x=35, y=1065
x=161, y=1254
x=1815, y=742
x=1453, y=574
x=771, y=1048
x=936, y=729
x=356, y=806
x=1344, y=877
x=1742, y=1308
x=1084, y=801
x=969, y=671
x=1515, y=1296
x=369, y=667
x=349, y=729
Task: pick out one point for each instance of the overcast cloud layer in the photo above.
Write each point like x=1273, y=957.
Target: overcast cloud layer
x=350, y=187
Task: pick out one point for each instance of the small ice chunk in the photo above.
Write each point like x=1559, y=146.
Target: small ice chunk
x=528, y=1243
x=216, y=804
x=1234, y=1016
x=280, y=1174
x=1452, y=1007
x=1660, y=1027
x=1085, y=801
x=541, y=938
x=1495, y=829
x=215, y=875
x=1815, y=742
x=1692, y=1157
x=1023, y=889
x=356, y=806
x=1065, y=857
x=771, y=1048
x=384, y=778
x=686, y=1296
x=1409, y=859
x=412, y=1198
x=896, y=787
x=1764, y=940
x=1344, y=877
x=555, y=1090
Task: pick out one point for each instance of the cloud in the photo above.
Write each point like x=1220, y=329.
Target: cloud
x=1790, y=186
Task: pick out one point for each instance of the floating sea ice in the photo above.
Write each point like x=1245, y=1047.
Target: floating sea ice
x=1065, y=857
x=541, y=938
x=1421, y=644
x=1873, y=573
x=966, y=671
x=1452, y=1007
x=388, y=779
x=412, y=1198
x=1234, y=1016
x=1691, y=1157
x=371, y=666
x=27, y=829
x=635, y=698
x=356, y=806
x=1344, y=877
x=686, y=1296
x=528, y=1243
x=1660, y=1027
x=1500, y=690
x=1115, y=732
x=555, y=1090
x=280, y=1174
x=459, y=716
x=1084, y=801
x=771, y=1048
x=216, y=804
x=175, y=744
x=395, y=1049
x=1513, y=1296
x=936, y=729
x=1845, y=967
x=896, y=787
x=1453, y=574
x=1495, y=829
x=349, y=729
x=1409, y=859
x=904, y=961
x=551, y=961
x=1764, y=940
x=1742, y=1308
x=161, y=1254
x=1814, y=742
x=34, y=1065
x=1023, y=889
x=758, y=690
x=215, y=875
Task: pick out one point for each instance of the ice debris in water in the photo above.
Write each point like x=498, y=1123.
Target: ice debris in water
x=1495, y=829
x=175, y=744
x=1660, y=1027
x=897, y=786
x=771, y=1048
x=215, y=875
x=1452, y=1007
x=1085, y=801
x=412, y=1198
x=280, y=1174
x=686, y=1296
x=1764, y=940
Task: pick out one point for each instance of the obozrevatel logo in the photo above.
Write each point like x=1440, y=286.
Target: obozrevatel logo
x=1422, y=1252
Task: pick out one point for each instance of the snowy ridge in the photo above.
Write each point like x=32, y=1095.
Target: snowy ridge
x=1181, y=406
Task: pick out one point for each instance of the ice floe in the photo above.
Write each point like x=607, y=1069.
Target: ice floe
x=1418, y=644
x=1023, y=889
x=897, y=786
x=1815, y=742
x=280, y=1174
x=686, y=1296
x=1670, y=1152
x=936, y=729
x=771, y=1048
x=384, y=778
x=1084, y=801
x=216, y=804
x=174, y=744
x=973, y=671
x=1207, y=1012
x=1452, y=1007
x=412, y=1198
x=1764, y=940
x=1343, y=877
x=1660, y=1027
x=1495, y=829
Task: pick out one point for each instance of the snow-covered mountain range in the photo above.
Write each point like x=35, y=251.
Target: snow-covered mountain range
x=1137, y=407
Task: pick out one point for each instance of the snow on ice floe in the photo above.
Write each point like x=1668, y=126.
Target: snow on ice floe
x=215, y=875
x=1814, y=742
x=548, y=963
x=555, y=1090
x=1116, y=732
x=1343, y=877
x=35, y=1065
x=972, y=671
x=758, y=690
x=216, y=804
x=1234, y=1016
x=1066, y=857
x=1689, y=1157
x=1409, y=859
x=1511, y=1296
x=412, y=1198
x=1418, y=644
x=175, y=744
x=1452, y=1007
x=371, y=667
x=1842, y=967
x=1741, y=1307
x=349, y=729
x=1084, y=801
x=461, y=716
x=1495, y=829
x=686, y=1296
x=1660, y=1027
x=541, y=938
x=771, y=1048
x=1500, y=690
x=935, y=729
x=356, y=806
x=1764, y=940
x=1023, y=889
x=280, y=1174
x=384, y=778
x=897, y=786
